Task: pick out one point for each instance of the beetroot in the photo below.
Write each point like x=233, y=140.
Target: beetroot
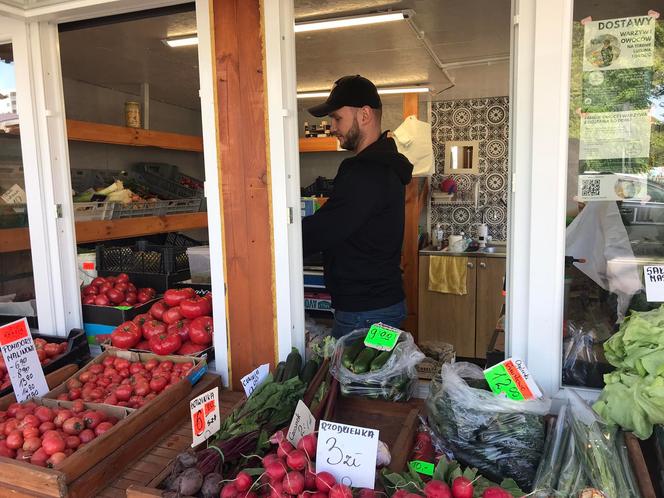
x=324, y=482
x=308, y=445
x=293, y=483
x=296, y=460
x=437, y=489
x=496, y=492
x=340, y=491
x=242, y=482
x=462, y=488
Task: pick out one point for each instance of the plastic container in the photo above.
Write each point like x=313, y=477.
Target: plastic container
x=87, y=267
x=199, y=264
x=156, y=208
x=89, y=211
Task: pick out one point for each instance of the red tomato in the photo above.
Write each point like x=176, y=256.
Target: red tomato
x=108, y=361
x=158, y=383
x=102, y=300
x=164, y=344
x=14, y=440
x=90, y=299
x=96, y=368
x=32, y=444
x=41, y=354
x=90, y=290
x=142, y=388
x=123, y=392
x=39, y=457
x=122, y=278
x=52, y=349
x=151, y=364
x=157, y=309
x=152, y=328
x=73, y=426
x=56, y=459
x=46, y=426
x=131, y=298
x=115, y=296
x=44, y=414
x=189, y=348
x=173, y=297
x=98, y=281
x=29, y=432
x=132, y=288
x=111, y=279
x=166, y=365
x=103, y=427
x=121, y=363
x=29, y=421
x=143, y=345
x=201, y=330
x=126, y=335
x=72, y=442
x=181, y=328
x=86, y=435
x=121, y=286
x=136, y=367
x=195, y=307
x=171, y=315
x=62, y=415
x=149, y=291
x=105, y=287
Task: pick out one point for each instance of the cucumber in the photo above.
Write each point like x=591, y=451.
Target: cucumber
x=351, y=352
x=293, y=364
x=279, y=371
x=309, y=371
x=363, y=360
x=380, y=360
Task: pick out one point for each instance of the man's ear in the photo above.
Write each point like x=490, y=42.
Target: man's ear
x=366, y=115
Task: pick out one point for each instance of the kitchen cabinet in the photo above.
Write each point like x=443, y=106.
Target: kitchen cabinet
x=467, y=322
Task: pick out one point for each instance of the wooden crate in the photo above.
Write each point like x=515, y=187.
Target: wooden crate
x=396, y=422
x=639, y=466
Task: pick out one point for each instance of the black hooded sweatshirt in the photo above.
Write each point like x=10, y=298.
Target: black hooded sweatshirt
x=360, y=229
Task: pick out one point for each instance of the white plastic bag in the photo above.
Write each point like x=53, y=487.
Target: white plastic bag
x=395, y=381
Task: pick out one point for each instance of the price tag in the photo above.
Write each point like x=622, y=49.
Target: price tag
x=20, y=355
x=15, y=195
x=251, y=381
x=654, y=279
x=348, y=453
x=205, y=418
x=512, y=379
x=421, y=467
x=383, y=337
x=303, y=423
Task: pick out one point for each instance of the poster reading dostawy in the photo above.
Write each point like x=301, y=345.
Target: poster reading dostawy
x=609, y=135
x=622, y=43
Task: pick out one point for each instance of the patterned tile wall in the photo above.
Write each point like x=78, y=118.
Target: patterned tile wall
x=487, y=121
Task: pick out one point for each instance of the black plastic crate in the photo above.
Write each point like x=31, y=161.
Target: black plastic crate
x=200, y=289
x=179, y=240
x=78, y=352
x=111, y=315
x=142, y=258
x=320, y=187
x=158, y=281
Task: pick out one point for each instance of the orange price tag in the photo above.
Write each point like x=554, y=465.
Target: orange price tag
x=198, y=422
x=14, y=331
x=88, y=265
x=209, y=407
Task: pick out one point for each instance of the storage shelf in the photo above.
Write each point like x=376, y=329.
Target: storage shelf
x=18, y=239
x=322, y=144
x=84, y=131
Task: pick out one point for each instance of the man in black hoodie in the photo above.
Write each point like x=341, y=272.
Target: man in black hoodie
x=360, y=228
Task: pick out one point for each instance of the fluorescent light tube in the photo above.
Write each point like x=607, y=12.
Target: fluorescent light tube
x=181, y=41
x=343, y=22
x=382, y=91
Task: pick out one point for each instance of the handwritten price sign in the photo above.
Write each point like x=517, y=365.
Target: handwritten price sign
x=512, y=379
x=205, y=418
x=302, y=424
x=20, y=355
x=254, y=379
x=383, y=337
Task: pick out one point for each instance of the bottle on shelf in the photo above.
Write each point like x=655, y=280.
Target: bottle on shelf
x=307, y=132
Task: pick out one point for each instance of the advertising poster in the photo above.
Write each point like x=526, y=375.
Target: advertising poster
x=612, y=187
x=608, y=135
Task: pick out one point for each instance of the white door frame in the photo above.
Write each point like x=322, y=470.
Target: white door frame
x=45, y=156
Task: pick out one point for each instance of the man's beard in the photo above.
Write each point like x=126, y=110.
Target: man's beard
x=351, y=140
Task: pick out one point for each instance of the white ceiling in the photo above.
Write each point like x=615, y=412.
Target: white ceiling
x=123, y=55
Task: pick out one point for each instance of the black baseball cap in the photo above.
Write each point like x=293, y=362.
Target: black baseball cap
x=353, y=91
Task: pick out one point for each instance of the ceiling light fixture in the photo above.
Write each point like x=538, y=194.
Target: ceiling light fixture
x=181, y=41
x=381, y=91
x=361, y=20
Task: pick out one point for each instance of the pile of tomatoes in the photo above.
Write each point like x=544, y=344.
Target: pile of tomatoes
x=118, y=381
x=46, y=436
x=180, y=323
x=115, y=291
x=46, y=351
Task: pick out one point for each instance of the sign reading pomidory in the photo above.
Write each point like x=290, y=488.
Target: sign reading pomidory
x=205, y=418
x=348, y=453
x=20, y=355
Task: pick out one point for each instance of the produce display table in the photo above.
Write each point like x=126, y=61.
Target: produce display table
x=144, y=474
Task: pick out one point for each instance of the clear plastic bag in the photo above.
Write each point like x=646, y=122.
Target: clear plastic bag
x=502, y=438
x=552, y=458
x=395, y=381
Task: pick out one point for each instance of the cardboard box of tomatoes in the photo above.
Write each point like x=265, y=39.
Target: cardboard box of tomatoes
x=179, y=323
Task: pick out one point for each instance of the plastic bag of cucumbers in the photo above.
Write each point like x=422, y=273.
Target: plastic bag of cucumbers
x=365, y=371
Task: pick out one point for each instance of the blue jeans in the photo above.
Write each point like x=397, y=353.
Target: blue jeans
x=347, y=321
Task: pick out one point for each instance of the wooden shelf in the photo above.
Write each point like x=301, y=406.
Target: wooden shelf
x=84, y=131
x=323, y=144
x=18, y=239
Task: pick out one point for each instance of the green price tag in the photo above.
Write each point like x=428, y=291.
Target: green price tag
x=124, y=308
x=381, y=336
x=421, y=467
x=500, y=381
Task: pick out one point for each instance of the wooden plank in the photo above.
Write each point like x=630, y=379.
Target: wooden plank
x=18, y=239
x=114, y=464
x=244, y=177
x=639, y=466
x=38, y=480
x=84, y=131
x=403, y=446
x=112, y=493
x=142, y=492
x=316, y=144
x=165, y=452
x=137, y=476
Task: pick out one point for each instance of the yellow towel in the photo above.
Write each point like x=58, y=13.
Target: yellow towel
x=447, y=274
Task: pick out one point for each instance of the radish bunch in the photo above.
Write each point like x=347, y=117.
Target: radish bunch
x=289, y=471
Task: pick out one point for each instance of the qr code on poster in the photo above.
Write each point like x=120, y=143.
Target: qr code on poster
x=590, y=188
